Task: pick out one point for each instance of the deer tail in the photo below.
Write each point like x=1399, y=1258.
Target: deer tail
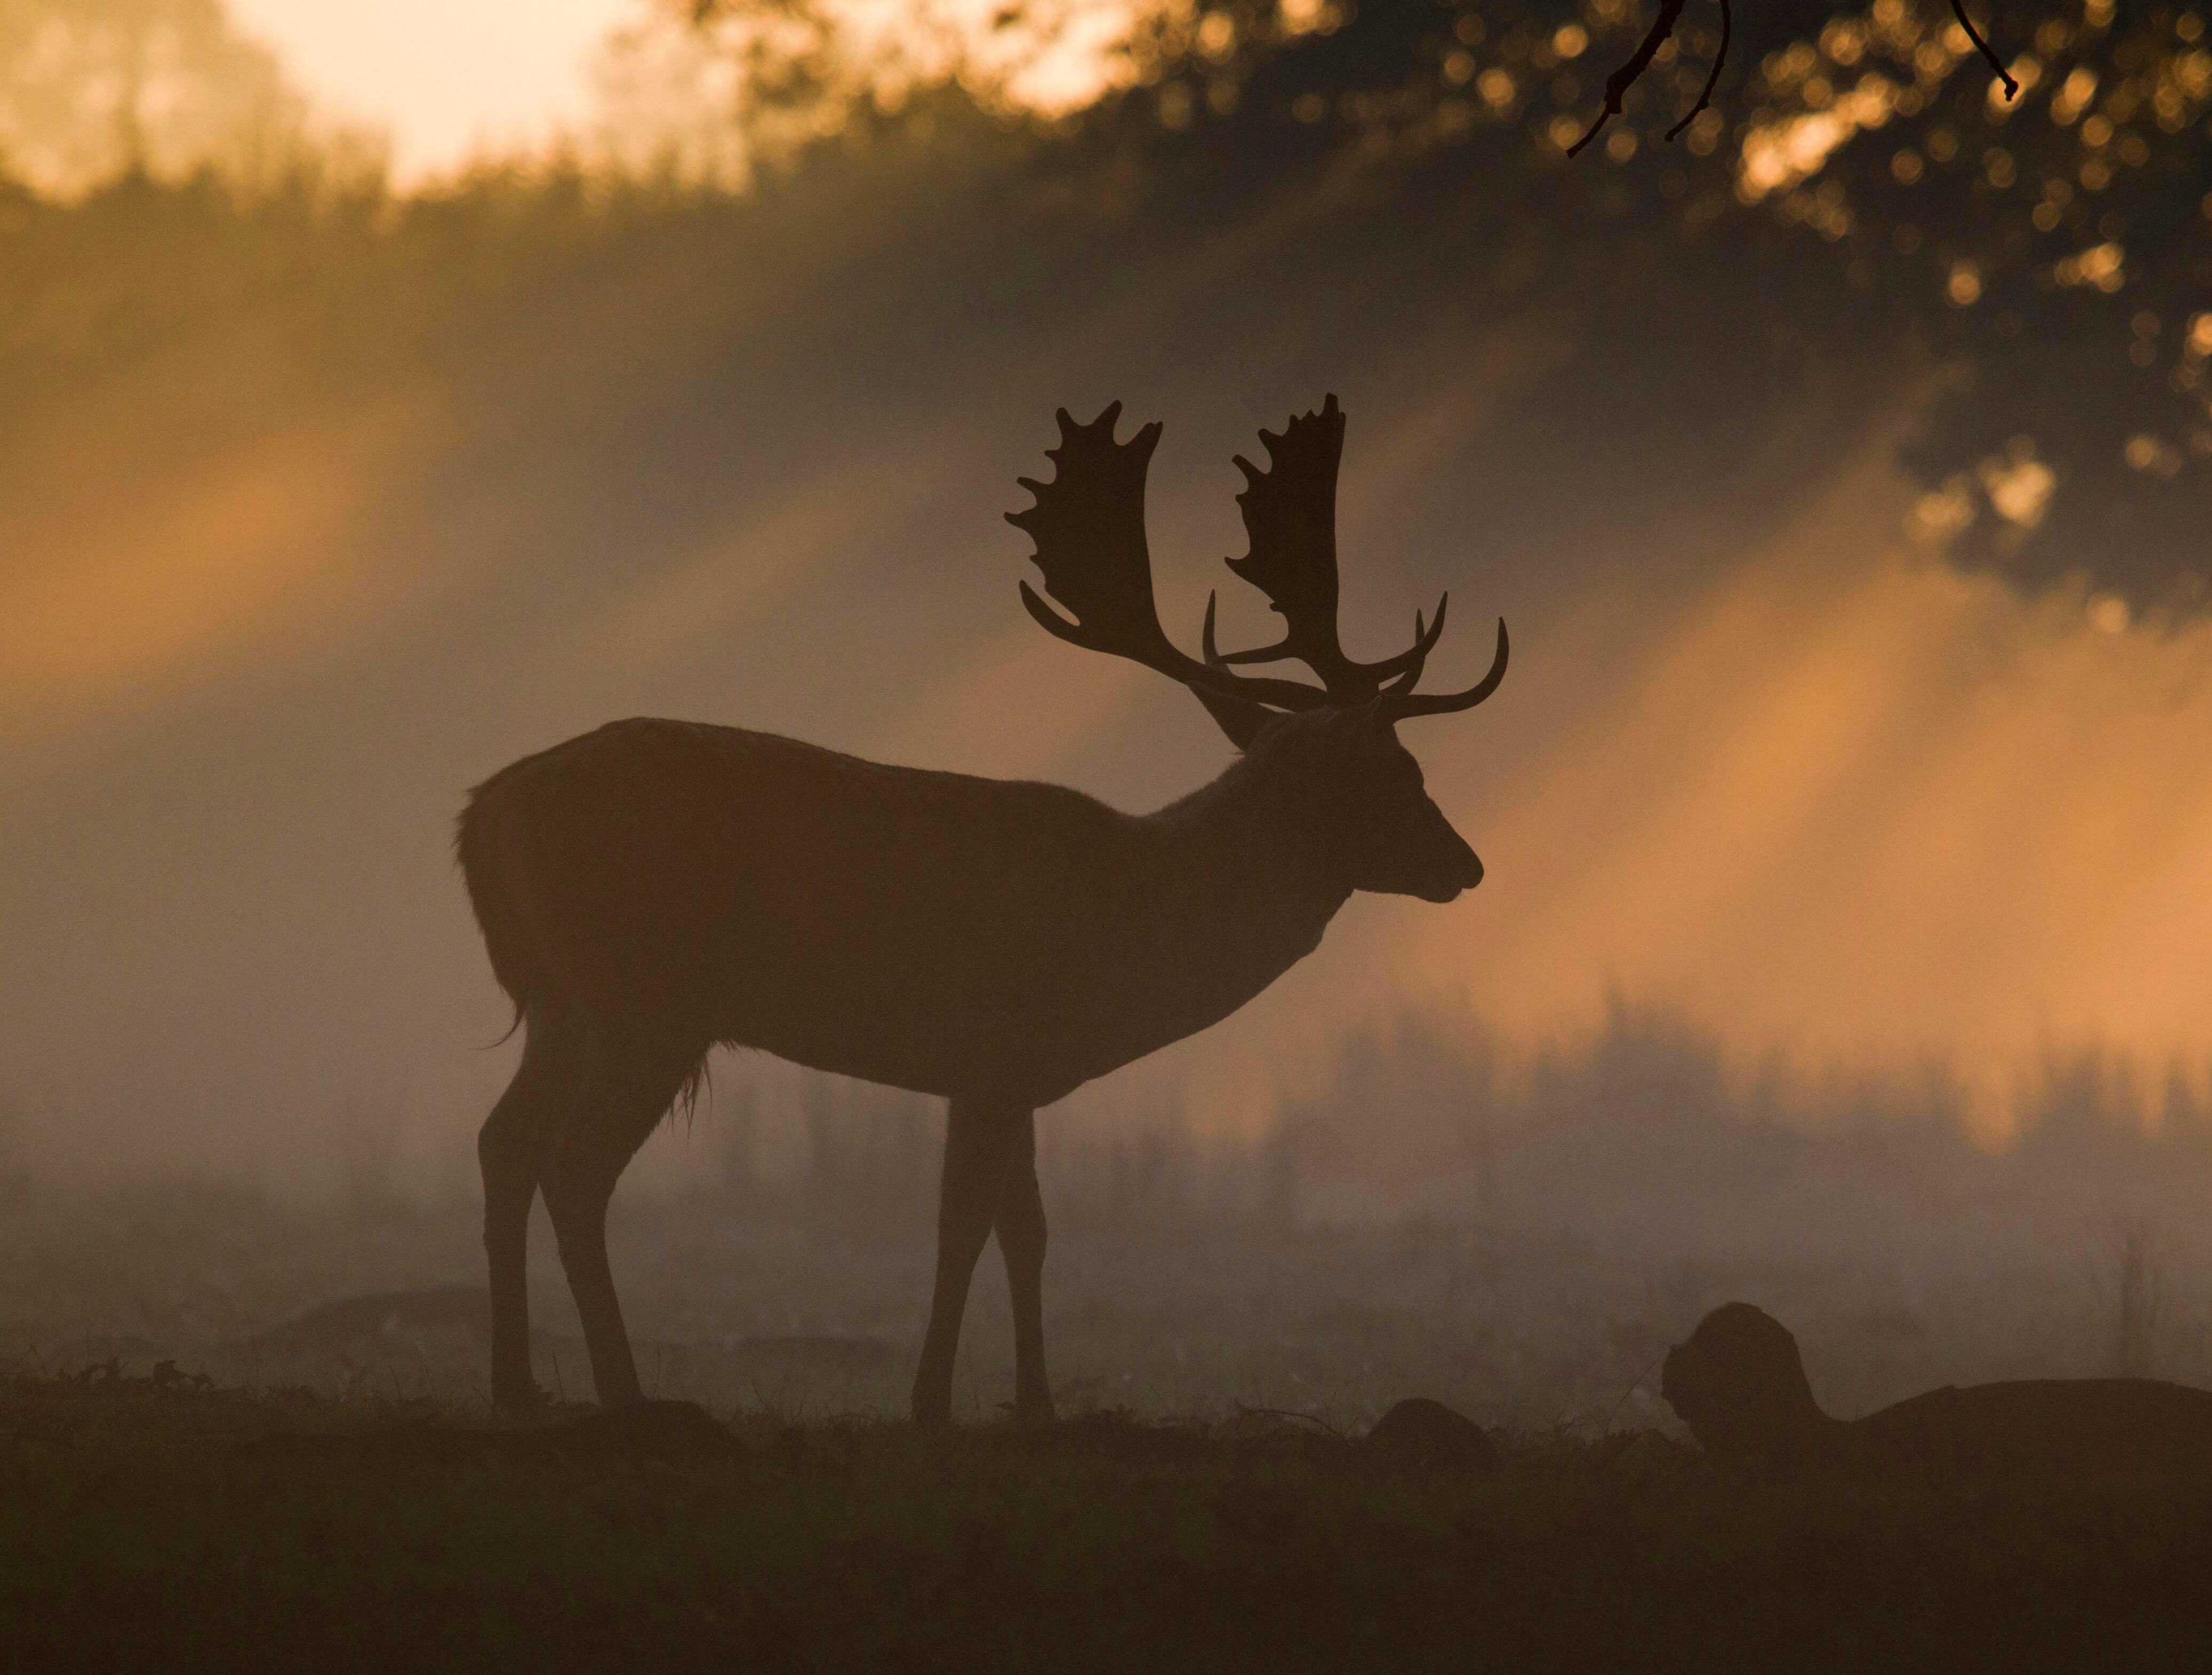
x=507, y=937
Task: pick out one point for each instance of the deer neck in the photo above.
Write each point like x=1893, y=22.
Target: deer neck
x=1247, y=882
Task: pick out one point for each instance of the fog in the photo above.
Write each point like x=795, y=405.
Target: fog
x=317, y=506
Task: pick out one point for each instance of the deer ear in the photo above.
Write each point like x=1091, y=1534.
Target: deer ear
x=1240, y=717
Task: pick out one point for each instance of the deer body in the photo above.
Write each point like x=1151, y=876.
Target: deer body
x=654, y=889
x=933, y=932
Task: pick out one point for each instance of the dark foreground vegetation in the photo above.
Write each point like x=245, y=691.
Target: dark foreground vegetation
x=150, y=1524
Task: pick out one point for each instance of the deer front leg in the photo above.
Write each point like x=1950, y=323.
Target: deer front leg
x=979, y=1137
x=1021, y=1241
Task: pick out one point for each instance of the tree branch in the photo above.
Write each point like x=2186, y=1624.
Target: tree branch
x=2011, y=86
x=1670, y=13
x=1712, y=76
x=1617, y=84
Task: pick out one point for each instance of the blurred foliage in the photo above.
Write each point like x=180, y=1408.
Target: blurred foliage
x=2061, y=245
x=94, y=88
x=1856, y=211
x=2052, y=251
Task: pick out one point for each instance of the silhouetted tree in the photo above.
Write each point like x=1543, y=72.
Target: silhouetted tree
x=2043, y=229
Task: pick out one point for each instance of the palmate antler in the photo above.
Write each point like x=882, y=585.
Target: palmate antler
x=1088, y=526
x=1290, y=522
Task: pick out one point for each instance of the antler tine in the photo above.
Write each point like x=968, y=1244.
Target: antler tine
x=1400, y=703
x=1088, y=526
x=1290, y=519
x=1404, y=671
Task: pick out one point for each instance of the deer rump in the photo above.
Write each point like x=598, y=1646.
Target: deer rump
x=935, y=931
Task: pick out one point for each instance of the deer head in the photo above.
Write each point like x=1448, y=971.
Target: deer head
x=1339, y=740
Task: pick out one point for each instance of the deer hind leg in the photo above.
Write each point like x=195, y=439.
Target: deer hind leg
x=510, y=1148
x=1021, y=1232
x=627, y=1088
x=980, y=1140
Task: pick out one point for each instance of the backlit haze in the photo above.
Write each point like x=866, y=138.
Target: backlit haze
x=450, y=82
x=446, y=79
x=1764, y=760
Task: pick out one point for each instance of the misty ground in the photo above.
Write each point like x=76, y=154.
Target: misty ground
x=243, y=1429
x=1434, y=1236
x=801, y=1318
x=1520, y=1243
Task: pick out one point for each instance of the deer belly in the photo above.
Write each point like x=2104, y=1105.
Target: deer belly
x=899, y=1027
x=967, y=1003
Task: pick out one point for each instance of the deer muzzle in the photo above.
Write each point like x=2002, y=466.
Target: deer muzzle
x=1452, y=872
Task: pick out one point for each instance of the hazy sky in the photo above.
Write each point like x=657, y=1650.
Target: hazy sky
x=442, y=77
x=447, y=79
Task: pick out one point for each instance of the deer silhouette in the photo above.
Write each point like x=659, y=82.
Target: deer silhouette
x=654, y=889
x=1738, y=1383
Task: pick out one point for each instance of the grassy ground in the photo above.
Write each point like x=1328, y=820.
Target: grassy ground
x=147, y=1525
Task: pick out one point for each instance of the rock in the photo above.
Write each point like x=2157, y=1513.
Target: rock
x=1427, y=1436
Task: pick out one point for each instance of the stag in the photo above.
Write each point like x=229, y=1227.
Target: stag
x=655, y=889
